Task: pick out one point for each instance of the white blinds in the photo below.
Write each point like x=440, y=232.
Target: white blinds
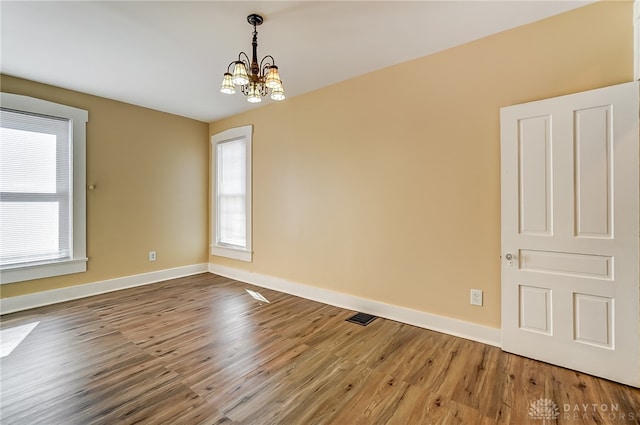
x=231, y=192
x=35, y=195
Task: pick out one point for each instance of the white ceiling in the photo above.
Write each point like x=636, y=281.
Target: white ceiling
x=170, y=55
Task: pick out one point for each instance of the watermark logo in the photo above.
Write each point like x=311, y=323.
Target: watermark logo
x=543, y=409
x=547, y=410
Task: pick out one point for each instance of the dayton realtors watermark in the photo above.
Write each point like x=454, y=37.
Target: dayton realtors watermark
x=547, y=410
x=611, y=412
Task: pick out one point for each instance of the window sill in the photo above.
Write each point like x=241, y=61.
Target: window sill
x=19, y=273
x=233, y=253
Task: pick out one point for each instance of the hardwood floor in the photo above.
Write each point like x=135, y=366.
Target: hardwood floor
x=200, y=350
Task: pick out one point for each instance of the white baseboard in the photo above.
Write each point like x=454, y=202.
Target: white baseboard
x=54, y=296
x=421, y=319
x=455, y=327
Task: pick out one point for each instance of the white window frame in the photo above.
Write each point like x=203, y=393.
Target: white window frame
x=77, y=262
x=218, y=249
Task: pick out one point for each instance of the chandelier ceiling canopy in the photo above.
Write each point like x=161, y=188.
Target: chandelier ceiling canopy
x=254, y=78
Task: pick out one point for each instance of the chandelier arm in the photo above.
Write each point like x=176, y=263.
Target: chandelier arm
x=263, y=90
x=245, y=89
x=263, y=63
x=264, y=70
x=246, y=62
x=229, y=67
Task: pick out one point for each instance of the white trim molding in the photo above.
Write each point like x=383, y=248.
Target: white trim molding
x=54, y=296
x=236, y=252
x=636, y=40
x=77, y=262
x=447, y=325
x=233, y=253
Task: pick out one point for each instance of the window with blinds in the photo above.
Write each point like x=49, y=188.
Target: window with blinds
x=42, y=218
x=232, y=194
x=35, y=196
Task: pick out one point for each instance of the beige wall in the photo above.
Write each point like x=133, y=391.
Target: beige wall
x=150, y=171
x=391, y=191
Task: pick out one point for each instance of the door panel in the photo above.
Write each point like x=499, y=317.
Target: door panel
x=534, y=173
x=593, y=157
x=535, y=309
x=593, y=320
x=570, y=224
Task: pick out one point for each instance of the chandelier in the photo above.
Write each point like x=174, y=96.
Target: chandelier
x=254, y=79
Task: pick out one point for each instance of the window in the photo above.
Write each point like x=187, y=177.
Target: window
x=231, y=227
x=42, y=197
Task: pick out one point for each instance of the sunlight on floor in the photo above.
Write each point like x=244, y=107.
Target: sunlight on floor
x=12, y=337
x=257, y=295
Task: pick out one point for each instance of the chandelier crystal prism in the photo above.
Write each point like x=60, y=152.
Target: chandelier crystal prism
x=254, y=78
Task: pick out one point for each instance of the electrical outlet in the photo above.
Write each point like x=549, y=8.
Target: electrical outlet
x=152, y=256
x=476, y=296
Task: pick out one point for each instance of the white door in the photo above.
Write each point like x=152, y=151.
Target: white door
x=570, y=231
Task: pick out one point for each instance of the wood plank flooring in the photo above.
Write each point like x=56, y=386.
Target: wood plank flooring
x=200, y=350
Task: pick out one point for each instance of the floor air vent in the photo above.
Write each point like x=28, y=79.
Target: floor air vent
x=362, y=319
